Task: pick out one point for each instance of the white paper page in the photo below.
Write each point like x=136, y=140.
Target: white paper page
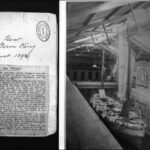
x=28, y=42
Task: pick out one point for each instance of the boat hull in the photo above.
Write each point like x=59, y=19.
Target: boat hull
x=127, y=132
x=129, y=136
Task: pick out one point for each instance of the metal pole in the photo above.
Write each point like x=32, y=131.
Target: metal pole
x=102, y=69
x=131, y=8
x=126, y=106
x=106, y=34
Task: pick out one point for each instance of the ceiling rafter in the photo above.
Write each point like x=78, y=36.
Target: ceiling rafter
x=94, y=25
x=115, y=10
x=133, y=7
x=115, y=15
x=89, y=18
x=99, y=23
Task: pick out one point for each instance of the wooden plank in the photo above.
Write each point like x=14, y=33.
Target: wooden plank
x=113, y=12
x=98, y=84
x=95, y=25
x=89, y=130
x=89, y=18
x=100, y=23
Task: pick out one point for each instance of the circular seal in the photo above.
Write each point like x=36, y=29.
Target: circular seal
x=43, y=31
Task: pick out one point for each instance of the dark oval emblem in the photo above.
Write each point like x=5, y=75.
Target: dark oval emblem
x=43, y=31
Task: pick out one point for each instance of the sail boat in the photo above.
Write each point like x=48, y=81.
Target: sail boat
x=119, y=116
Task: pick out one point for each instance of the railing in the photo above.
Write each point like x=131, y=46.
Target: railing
x=83, y=124
x=87, y=75
x=95, y=85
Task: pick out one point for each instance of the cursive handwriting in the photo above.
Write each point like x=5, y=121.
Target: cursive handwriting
x=10, y=39
x=27, y=45
x=4, y=46
x=5, y=56
x=16, y=43
x=23, y=55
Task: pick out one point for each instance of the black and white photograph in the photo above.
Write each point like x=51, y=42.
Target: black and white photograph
x=108, y=75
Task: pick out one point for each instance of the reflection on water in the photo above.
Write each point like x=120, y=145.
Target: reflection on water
x=125, y=142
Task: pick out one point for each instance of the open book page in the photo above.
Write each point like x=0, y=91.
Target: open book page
x=28, y=74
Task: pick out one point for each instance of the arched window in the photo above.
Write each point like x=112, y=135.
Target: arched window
x=142, y=77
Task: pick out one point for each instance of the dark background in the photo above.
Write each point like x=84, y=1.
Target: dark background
x=27, y=143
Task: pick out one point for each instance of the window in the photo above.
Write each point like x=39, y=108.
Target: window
x=74, y=75
x=97, y=76
x=82, y=76
x=90, y=76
